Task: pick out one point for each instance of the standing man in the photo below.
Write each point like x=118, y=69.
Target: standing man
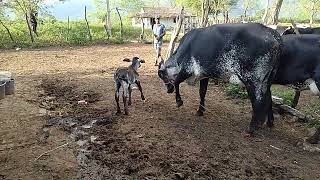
x=33, y=21
x=159, y=31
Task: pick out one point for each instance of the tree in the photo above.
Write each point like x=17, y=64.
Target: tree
x=131, y=6
x=3, y=18
x=266, y=12
x=275, y=10
x=205, y=8
x=310, y=7
x=26, y=8
x=249, y=5
x=216, y=7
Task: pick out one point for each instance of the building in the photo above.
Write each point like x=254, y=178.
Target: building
x=169, y=17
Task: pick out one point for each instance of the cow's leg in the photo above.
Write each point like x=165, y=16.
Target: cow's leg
x=178, y=96
x=179, y=79
x=269, y=110
x=117, y=93
x=130, y=91
x=140, y=89
x=202, y=92
x=257, y=94
x=296, y=98
x=125, y=96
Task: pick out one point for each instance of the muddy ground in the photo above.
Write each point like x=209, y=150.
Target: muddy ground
x=156, y=141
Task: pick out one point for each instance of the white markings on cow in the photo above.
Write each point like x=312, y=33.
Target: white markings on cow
x=195, y=69
x=313, y=86
x=234, y=79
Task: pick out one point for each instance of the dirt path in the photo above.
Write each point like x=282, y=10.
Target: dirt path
x=156, y=141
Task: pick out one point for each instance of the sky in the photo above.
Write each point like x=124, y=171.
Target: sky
x=72, y=8
x=75, y=8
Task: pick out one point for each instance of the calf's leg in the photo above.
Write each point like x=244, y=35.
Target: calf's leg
x=117, y=86
x=140, y=89
x=130, y=91
x=125, y=97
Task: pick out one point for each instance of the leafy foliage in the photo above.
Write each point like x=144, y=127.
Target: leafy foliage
x=235, y=91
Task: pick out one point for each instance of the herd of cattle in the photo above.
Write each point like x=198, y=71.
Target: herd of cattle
x=251, y=55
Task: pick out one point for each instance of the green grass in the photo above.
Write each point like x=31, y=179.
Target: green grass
x=56, y=34
x=286, y=94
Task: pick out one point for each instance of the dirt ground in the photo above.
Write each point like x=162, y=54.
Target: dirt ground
x=156, y=141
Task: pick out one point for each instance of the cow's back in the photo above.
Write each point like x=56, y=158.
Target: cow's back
x=224, y=44
x=299, y=58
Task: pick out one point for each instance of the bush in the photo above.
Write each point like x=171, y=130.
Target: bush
x=235, y=91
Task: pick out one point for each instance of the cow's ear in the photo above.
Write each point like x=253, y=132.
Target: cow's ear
x=142, y=61
x=126, y=60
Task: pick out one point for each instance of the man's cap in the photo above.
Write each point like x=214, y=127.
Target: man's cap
x=157, y=17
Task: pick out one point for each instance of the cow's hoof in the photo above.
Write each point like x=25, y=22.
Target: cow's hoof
x=199, y=113
x=179, y=103
x=143, y=98
x=250, y=132
x=126, y=113
x=129, y=103
x=248, y=135
x=118, y=112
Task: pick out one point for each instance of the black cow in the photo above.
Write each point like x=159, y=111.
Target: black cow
x=300, y=63
x=308, y=30
x=242, y=53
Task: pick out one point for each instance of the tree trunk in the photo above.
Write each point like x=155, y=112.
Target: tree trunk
x=88, y=27
x=205, y=12
x=121, y=25
x=266, y=12
x=175, y=34
x=11, y=37
x=142, y=30
x=108, y=20
x=273, y=20
x=226, y=16
x=68, y=32
x=30, y=31
x=312, y=13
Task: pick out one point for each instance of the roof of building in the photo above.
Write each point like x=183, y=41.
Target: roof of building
x=162, y=12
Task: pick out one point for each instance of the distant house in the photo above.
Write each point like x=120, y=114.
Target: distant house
x=168, y=17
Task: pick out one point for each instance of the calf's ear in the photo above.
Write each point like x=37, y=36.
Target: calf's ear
x=126, y=60
x=142, y=61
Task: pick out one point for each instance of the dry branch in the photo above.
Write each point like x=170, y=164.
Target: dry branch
x=277, y=103
x=51, y=150
x=85, y=17
x=175, y=34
